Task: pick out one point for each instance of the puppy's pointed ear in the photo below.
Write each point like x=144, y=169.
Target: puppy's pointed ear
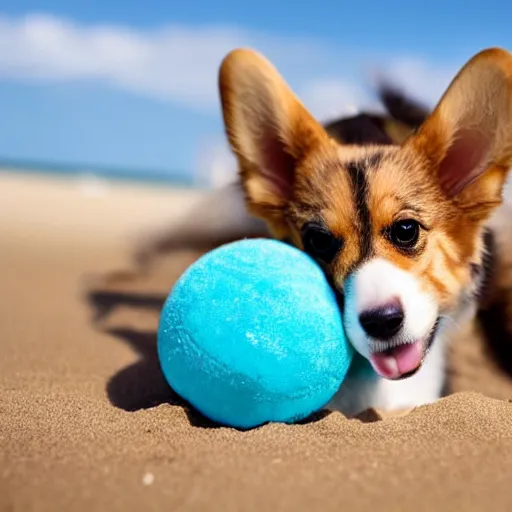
x=468, y=137
x=268, y=128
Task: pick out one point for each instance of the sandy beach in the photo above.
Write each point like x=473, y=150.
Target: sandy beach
x=87, y=421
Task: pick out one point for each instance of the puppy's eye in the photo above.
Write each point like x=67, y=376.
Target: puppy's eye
x=405, y=233
x=320, y=243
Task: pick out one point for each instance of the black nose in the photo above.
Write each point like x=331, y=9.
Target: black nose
x=384, y=322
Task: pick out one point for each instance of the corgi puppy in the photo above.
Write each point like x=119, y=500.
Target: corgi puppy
x=222, y=216
x=400, y=229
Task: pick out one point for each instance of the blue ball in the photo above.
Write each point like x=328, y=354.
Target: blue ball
x=251, y=333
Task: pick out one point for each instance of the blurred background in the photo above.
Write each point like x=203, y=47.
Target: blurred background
x=125, y=89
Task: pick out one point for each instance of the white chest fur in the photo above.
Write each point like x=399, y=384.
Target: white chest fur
x=363, y=388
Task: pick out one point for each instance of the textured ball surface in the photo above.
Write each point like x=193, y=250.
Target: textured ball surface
x=252, y=333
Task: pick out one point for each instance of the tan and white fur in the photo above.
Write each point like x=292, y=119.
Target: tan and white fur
x=400, y=229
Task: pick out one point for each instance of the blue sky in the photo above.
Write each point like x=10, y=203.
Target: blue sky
x=133, y=84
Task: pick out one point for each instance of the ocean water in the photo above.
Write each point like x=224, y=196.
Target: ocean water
x=149, y=176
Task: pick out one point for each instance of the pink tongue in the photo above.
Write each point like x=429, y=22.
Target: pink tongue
x=398, y=361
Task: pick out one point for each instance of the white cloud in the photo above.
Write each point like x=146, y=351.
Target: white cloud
x=215, y=165
x=179, y=64
x=172, y=63
x=330, y=98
